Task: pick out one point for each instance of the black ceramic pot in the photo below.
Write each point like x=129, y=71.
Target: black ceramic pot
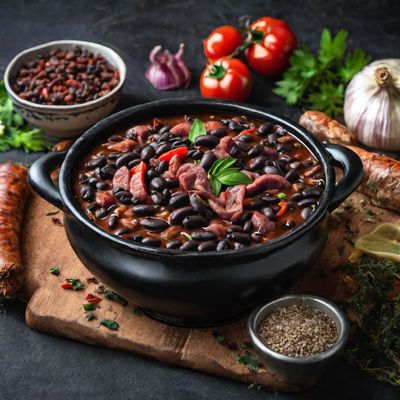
x=192, y=288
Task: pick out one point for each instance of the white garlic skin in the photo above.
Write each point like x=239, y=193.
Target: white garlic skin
x=372, y=109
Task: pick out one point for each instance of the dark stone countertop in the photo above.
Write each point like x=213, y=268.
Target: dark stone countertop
x=39, y=366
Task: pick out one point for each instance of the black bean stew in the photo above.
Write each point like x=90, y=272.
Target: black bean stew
x=242, y=182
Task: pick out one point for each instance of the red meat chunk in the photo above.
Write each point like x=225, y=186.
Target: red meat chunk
x=121, y=178
x=266, y=182
x=181, y=129
x=261, y=223
x=105, y=199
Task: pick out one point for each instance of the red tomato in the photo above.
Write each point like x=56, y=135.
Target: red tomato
x=227, y=78
x=276, y=43
x=222, y=42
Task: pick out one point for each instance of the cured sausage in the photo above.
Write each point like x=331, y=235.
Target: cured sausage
x=14, y=191
x=381, y=179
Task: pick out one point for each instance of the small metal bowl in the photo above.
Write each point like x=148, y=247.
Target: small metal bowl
x=303, y=371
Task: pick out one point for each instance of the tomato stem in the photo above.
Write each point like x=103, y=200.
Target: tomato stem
x=216, y=72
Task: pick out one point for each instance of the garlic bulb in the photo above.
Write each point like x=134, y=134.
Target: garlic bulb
x=372, y=105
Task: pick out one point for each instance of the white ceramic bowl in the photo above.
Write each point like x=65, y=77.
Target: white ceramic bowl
x=65, y=121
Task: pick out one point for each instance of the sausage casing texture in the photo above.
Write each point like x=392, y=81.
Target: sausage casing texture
x=381, y=180
x=14, y=191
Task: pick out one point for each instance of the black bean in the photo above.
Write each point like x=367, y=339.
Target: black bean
x=167, y=194
x=133, y=163
x=255, y=151
x=163, y=149
x=256, y=237
x=112, y=221
x=247, y=226
x=144, y=210
x=101, y=213
x=82, y=178
x=279, y=130
x=124, y=159
x=312, y=192
x=234, y=126
x=107, y=172
x=123, y=231
x=208, y=160
x=284, y=147
x=115, y=138
x=254, y=204
x=203, y=235
x=238, y=246
x=88, y=193
x=257, y=163
x=135, y=201
x=121, y=193
x=242, y=218
x=270, y=170
x=306, y=212
x=93, y=207
x=289, y=224
x=307, y=202
x=207, y=246
x=151, y=173
x=308, y=163
x=265, y=128
x=173, y=244
x=209, y=141
x=234, y=151
x=234, y=228
x=154, y=224
x=189, y=246
x=240, y=237
x=278, y=165
x=102, y=186
x=284, y=159
x=177, y=216
x=158, y=183
x=195, y=221
x=296, y=197
x=151, y=241
x=270, y=199
x=219, y=132
x=178, y=143
x=292, y=175
x=245, y=147
x=222, y=245
x=295, y=164
x=179, y=200
x=147, y=152
x=172, y=183
x=291, y=205
x=198, y=204
x=97, y=163
x=197, y=155
x=114, y=156
x=164, y=129
x=162, y=167
x=118, y=189
x=157, y=198
x=137, y=238
x=272, y=139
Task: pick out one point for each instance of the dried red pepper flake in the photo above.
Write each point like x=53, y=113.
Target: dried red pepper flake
x=92, y=299
x=66, y=285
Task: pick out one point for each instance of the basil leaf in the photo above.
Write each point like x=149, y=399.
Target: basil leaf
x=89, y=307
x=225, y=171
x=216, y=185
x=234, y=178
x=197, y=129
x=221, y=164
x=110, y=295
x=110, y=324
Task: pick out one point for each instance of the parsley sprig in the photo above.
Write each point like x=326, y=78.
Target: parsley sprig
x=319, y=80
x=223, y=172
x=15, y=133
x=197, y=129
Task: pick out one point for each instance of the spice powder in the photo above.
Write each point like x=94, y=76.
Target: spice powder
x=298, y=331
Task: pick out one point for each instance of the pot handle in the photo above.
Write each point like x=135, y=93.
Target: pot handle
x=352, y=167
x=39, y=176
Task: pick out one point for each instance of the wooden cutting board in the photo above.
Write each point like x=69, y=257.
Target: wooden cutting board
x=55, y=310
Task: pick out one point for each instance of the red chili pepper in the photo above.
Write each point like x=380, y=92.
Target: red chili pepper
x=283, y=208
x=92, y=299
x=181, y=152
x=248, y=131
x=66, y=285
x=141, y=167
x=45, y=92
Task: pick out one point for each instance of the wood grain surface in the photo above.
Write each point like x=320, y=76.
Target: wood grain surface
x=55, y=310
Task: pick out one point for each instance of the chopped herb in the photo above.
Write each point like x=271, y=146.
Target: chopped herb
x=222, y=340
x=89, y=307
x=76, y=284
x=89, y=316
x=223, y=172
x=110, y=295
x=110, y=324
x=187, y=236
x=57, y=221
x=92, y=280
x=54, y=271
x=313, y=206
x=52, y=212
x=246, y=345
x=281, y=196
x=248, y=361
x=137, y=311
x=197, y=129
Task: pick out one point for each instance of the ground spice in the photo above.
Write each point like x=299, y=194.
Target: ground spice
x=298, y=331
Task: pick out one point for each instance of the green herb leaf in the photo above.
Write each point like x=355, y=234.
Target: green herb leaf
x=319, y=81
x=248, y=361
x=110, y=324
x=197, y=129
x=187, y=236
x=137, y=311
x=222, y=340
x=110, y=295
x=76, y=283
x=234, y=178
x=54, y=271
x=90, y=316
x=281, y=196
x=89, y=307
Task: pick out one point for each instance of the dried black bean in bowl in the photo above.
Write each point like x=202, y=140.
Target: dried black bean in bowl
x=233, y=183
